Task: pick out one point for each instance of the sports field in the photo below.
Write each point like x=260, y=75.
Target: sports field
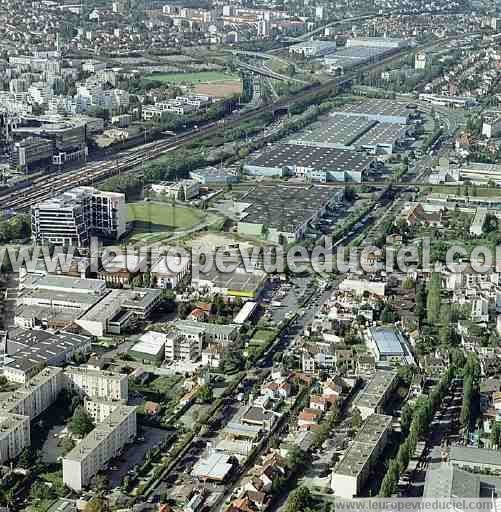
x=153, y=220
x=193, y=78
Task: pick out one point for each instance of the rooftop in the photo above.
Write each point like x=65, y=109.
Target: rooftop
x=215, y=467
x=100, y=433
x=286, y=207
x=359, y=453
x=370, y=107
x=335, y=131
x=311, y=157
x=467, y=454
x=375, y=389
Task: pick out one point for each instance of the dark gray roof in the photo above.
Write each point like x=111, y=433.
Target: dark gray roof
x=448, y=481
x=473, y=455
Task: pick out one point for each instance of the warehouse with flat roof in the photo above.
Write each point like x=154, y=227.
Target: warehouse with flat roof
x=281, y=213
x=310, y=162
x=382, y=138
x=337, y=131
x=384, y=111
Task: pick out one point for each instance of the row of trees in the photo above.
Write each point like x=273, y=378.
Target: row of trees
x=415, y=421
x=471, y=379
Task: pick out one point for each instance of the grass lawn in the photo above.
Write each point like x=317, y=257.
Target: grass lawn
x=453, y=189
x=194, y=78
x=263, y=337
x=154, y=218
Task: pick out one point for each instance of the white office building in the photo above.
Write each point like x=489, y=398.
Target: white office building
x=73, y=217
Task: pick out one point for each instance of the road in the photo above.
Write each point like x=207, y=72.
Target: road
x=45, y=187
x=443, y=430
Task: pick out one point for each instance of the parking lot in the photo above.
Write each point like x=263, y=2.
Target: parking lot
x=134, y=455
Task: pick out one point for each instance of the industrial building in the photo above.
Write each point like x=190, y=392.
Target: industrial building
x=382, y=138
x=71, y=218
x=313, y=49
x=182, y=190
x=310, y=162
x=117, y=309
x=30, y=350
x=168, y=271
x=216, y=467
x=208, y=332
x=150, y=348
x=352, y=471
x=341, y=131
x=374, y=396
x=388, y=345
x=335, y=131
x=478, y=173
x=213, y=175
x=281, y=213
x=55, y=302
x=477, y=460
x=346, y=58
x=102, y=444
x=243, y=283
x=383, y=111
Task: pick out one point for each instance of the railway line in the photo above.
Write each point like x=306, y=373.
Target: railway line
x=47, y=186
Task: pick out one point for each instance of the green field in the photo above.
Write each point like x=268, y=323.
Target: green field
x=193, y=78
x=454, y=189
x=263, y=337
x=152, y=220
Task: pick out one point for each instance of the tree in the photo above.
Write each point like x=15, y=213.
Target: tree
x=81, y=422
x=205, y=394
x=390, y=481
x=27, y=458
x=495, y=436
x=96, y=504
x=421, y=301
x=356, y=419
x=67, y=444
x=433, y=299
x=299, y=500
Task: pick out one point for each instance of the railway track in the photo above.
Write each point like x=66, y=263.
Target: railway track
x=47, y=186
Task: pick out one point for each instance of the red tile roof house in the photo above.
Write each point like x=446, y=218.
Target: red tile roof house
x=308, y=418
x=319, y=403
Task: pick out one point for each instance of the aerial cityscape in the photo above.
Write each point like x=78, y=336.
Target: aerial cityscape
x=250, y=255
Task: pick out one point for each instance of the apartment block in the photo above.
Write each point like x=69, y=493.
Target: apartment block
x=352, y=471
x=102, y=444
x=97, y=384
x=36, y=395
x=374, y=396
x=71, y=218
x=14, y=435
x=99, y=409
